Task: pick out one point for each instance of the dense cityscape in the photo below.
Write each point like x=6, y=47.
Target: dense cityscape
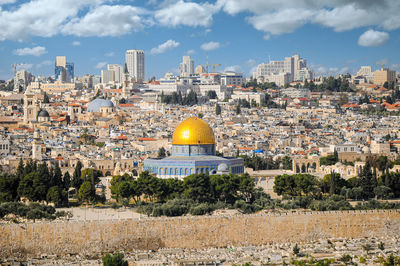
x=203, y=165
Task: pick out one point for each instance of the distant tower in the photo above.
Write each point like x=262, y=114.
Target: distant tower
x=187, y=66
x=135, y=63
x=126, y=76
x=31, y=107
x=37, y=146
x=156, y=106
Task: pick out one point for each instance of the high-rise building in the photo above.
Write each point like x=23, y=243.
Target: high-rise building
x=22, y=79
x=63, y=70
x=118, y=72
x=187, y=66
x=384, y=75
x=135, y=63
x=107, y=76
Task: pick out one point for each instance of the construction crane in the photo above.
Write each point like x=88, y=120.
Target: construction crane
x=14, y=66
x=213, y=65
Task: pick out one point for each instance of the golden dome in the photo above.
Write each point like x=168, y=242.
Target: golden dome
x=193, y=131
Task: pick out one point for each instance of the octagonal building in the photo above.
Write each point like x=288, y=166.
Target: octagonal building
x=193, y=151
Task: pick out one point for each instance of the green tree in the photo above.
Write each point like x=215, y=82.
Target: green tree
x=295, y=185
x=212, y=94
x=296, y=250
x=149, y=184
x=56, y=178
x=287, y=163
x=238, y=110
x=76, y=181
x=91, y=175
x=8, y=187
x=367, y=181
x=87, y=192
x=67, y=180
x=20, y=170
x=217, y=109
x=46, y=98
x=57, y=196
x=161, y=153
x=33, y=187
x=197, y=187
x=116, y=259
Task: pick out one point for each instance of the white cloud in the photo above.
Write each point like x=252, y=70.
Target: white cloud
x=101, y=65
x=279, y=17
x=162, y=48
x=235, y=68
x=35, y=51
x=44, y=63
x=329, y=71
x=76, y=43
x=372, y=38
x=283, y=21
x=42, y=18
x=186, y=13
x=191, y=51
x=209, y=46
x=106, y=21
x=3, y=2
x=250, y=63
x=266, y=37
x=110, y=54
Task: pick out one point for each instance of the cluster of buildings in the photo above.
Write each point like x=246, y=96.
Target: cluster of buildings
x=379, y=77
x=291, y=69
x=117, y=123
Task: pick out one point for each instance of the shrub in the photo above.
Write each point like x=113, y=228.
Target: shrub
x=201, y=209
x=243, y=206
x=114, y=260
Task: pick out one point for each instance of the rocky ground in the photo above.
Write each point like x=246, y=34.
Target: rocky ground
x=366, y=251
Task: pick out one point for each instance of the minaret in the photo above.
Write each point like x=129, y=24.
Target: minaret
x=37, y=146
x=126, y=76
x=156, y=106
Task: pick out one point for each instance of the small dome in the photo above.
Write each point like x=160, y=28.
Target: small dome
x=95, y=105
x=223, y=167
x=43, y=113
x=193, y=131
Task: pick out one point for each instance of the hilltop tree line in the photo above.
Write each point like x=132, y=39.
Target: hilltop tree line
x=40, y=183
x=177, y=98
x=364, y=187
x=330, y=84
x=258, y=163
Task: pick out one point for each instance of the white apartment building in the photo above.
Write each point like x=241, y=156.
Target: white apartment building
x=118, y=72
x=366, y=72
x=136, y=64
x=187, y=66
x=232, y=78
x=248, y=96
x=222, y=92
x=107, y=76
x=296, y=93
x=22, y=79
x=280, y=79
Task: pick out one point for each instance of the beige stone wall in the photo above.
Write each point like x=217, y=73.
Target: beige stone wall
x=59, y=238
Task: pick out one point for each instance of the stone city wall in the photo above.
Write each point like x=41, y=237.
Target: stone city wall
x=91, y=237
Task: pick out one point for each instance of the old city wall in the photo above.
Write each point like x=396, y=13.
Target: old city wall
x=87, y=238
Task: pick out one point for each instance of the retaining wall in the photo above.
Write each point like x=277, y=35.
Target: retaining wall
x=78, y=237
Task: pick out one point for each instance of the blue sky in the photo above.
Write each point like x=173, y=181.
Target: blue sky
x=335, y=36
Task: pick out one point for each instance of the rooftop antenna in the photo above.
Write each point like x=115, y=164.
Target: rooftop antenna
x=269, y=58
